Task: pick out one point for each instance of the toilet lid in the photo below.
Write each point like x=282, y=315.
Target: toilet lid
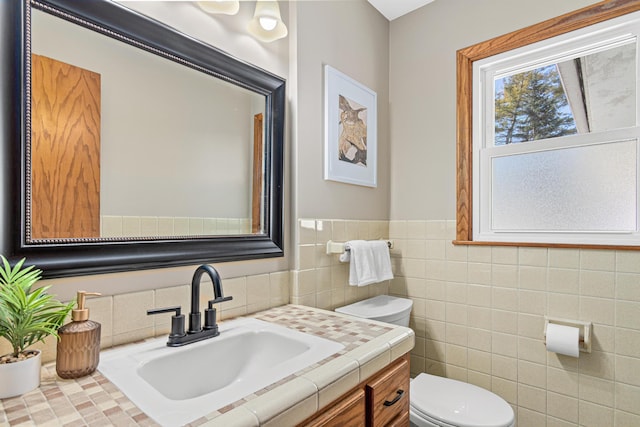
x=382, y=305
x=456, y=403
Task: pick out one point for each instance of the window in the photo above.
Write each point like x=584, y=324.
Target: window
x=552, y=152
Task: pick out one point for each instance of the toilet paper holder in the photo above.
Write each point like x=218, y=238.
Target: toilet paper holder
x=584, y=343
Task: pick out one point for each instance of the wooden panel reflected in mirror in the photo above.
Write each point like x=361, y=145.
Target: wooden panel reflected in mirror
x=256, y=196
x=65, y=150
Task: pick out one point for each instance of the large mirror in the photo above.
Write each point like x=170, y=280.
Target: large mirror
x=548, y=133
x=140, y=147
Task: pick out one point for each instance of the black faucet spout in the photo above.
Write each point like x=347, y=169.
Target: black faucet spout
x=195, y=324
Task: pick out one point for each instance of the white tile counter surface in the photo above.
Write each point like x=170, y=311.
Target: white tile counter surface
x=93, y=400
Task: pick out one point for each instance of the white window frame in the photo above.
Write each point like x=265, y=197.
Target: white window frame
x=605, y=35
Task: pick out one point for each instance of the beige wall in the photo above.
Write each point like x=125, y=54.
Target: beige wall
x=352, y=37
x=228, y=33
x=422, y=66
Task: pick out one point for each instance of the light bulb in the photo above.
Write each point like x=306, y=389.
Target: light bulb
x=268, y=23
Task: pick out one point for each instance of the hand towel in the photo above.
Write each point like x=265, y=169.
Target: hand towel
x=369, y=262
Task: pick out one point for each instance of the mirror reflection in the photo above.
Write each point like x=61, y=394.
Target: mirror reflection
x=591, y=93
x=128, y=144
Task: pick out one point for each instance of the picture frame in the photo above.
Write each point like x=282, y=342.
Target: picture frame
x=351, y=130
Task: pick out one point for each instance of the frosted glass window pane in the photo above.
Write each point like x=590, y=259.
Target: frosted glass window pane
x=589, y=188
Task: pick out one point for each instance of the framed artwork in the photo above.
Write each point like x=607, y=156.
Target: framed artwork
x=350, y=152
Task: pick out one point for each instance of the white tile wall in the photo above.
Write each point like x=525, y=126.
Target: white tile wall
x=479, y=312
x=478, y=316
x=151, y=226
x=320, y=279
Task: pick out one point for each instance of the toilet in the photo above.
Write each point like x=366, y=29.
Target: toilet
x=437, y=401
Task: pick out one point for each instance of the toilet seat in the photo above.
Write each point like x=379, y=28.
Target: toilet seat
x=450, y=403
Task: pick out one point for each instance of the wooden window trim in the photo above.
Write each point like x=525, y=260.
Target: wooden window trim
x=465, y=58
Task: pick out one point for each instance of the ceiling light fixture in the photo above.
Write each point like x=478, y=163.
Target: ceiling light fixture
x=267, y=24
x=225, y=7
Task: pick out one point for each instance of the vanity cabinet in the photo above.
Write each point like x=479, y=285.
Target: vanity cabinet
x=382, y=400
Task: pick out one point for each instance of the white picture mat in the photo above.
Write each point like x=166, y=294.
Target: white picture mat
x=336, y=84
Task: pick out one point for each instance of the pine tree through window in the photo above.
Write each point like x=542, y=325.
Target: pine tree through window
x=532, y=105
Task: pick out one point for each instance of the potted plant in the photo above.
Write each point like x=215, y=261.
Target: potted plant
x=27, y=315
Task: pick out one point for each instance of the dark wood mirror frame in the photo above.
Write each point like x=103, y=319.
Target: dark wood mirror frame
x=571, y=21
x=80, y=257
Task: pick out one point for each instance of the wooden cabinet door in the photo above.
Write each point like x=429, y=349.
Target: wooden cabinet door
x=401, y=420
x=388, y=395
x=65, y=150
x=348, y=411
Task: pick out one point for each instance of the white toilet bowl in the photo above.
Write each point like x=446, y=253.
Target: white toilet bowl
x=443, y=402
x=437, y=401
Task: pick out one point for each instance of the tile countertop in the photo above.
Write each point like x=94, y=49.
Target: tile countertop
x=93, y=400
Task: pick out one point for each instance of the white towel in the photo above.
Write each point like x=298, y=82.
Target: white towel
x=369, y=262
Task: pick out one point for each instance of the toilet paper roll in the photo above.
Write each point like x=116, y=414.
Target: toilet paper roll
x=563, y=339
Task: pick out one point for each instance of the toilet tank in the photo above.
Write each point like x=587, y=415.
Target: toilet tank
x=383, y=308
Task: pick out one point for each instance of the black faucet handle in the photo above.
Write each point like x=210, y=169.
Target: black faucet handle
x=176, y=308
x=210, y=318
x=217, y=300
x=210, y=313
x=177, y=320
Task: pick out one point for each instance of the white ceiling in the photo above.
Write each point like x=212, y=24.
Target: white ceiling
x=393, y=9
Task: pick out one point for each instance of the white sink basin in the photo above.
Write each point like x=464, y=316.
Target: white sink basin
x=175, y=386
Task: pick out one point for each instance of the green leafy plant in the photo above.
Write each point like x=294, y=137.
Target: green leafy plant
x=27, y=314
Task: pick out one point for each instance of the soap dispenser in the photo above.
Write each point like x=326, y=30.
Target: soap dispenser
x=78, y=351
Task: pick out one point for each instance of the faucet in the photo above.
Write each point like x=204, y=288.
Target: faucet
x=210, y=312
x=196, y=332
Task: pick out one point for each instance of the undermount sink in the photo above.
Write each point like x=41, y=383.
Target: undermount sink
x=177, y=385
